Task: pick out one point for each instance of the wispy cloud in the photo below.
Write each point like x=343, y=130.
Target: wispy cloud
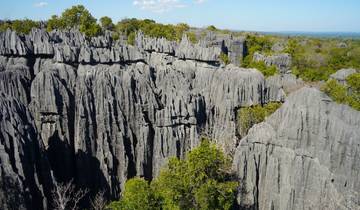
x=40, y=4
x=160, y=6
x=199, y=1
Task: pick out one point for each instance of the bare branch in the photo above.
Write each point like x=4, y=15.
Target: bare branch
x=99, y=202
x=66, y=197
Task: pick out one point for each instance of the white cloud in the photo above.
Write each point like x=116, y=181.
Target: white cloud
x=160, y=6
x=199, y=1
x=41, y=4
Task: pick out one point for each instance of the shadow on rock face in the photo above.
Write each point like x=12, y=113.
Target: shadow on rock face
x=61, y=158
x=90, y=176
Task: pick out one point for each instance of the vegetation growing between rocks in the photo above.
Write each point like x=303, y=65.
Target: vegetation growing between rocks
x=316, y=59
x=129, y=27
x=345, y=94
x=203, y=180
x=76, y=16
x=224, y=58
x=263, y=68
x=249, y=116
x=256, y=43
x=20, y=26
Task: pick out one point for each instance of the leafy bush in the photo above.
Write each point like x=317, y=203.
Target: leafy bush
x=224, y=58
x=200, y=181
x=106, y=23
x=263, y=68
x=137, y=195
x=76, y=16
x=340, y=93
x=192, y=37
x=211, y=28
x=254, y=44
x=354, y=81
x=153, y=29
x=317, y=59
x=249, y=116
x=20, y=26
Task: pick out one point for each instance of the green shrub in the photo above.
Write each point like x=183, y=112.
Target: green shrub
x=340, y=93
x=138, y=195
x=263, y=68
x=354, y=81
x=76, y=16
x=20, y=26
x=152, y=29
x=192, y=37
x=254, y=44
x=200, y=181
x=224, y=58
x=249, y=116
x=316, y=59
x=106, y=23
x=211, y=28
x=131, y=38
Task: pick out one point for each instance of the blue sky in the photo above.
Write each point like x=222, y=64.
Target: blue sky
x=255, y=15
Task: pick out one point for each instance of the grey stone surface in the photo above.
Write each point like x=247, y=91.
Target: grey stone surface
x=13, y=44
x=281, y=61
x=104, y=112
x=187, y=50
x=25, y=176
x=342, y=74
x=304, y=156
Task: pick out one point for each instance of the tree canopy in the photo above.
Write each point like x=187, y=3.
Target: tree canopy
x=203, y=180
x=76, y=16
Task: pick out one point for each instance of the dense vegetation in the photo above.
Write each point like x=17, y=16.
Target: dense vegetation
x=317, y=59
x=346, y=94
x=249, y=116
x=79, y=17
x=313, y=59
x=201, y=181
x=129, y=27
x=261, y=44
x=20, y=26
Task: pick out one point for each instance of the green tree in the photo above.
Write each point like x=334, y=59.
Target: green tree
x=20, y=26
x=138, y=195
x=201, y=181
x=76, y=16
x=55, y=22
x=211, y=28
x=106, y=23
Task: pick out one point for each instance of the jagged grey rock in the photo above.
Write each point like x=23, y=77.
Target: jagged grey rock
x=25, y=177
x=15, y=77
x=106, y=111
x=187, y=50
x=304, y=156
x=233, y=46
x=160, y=45
x=281, y=61
x=41, y=42
x=342, y=74
x=279, y=85
x=13, y=44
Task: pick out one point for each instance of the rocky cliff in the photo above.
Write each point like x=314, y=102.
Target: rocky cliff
x=304, y=156
x=99, y=112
